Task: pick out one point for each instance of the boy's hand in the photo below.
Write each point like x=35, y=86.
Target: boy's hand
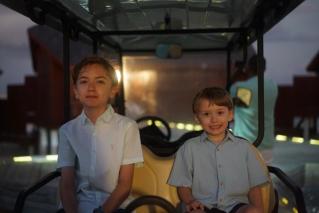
x=195, y=207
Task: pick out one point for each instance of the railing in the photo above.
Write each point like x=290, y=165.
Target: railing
x=298, y=194
x=299, y=198
x=18, y=207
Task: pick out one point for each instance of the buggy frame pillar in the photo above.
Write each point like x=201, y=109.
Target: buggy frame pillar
x=260, y=76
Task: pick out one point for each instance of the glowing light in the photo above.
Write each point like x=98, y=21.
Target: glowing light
x=284, y=201
x=149, y=122
x=36, y=159
x=158, y=123
x=22, y=159
x=294, y=210
x=172, y=125
x=118, y=75
x=314, y=142
x=281, y=137
x=189, y=127
x=51, y=157
x=180, y=126
x=297, y=140
x=198, y=127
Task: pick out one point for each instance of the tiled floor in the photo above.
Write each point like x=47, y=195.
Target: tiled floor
x=301, y=163
x=18, y=176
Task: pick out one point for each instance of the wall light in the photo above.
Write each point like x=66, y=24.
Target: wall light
x=314, y=142
x=281, y=138
x=22, y=159
x=297, y=140
x=180, y=126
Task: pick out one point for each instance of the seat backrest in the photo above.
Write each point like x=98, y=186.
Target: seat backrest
x=268, y=195
x=267, y=190
x=151, y=178
x=164, y=148
x=152, y=130
x=159, y=146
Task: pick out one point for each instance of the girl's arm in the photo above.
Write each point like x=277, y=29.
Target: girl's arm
x=67, y=190
x=122, y=190
x=185, y=194
x=255, y=197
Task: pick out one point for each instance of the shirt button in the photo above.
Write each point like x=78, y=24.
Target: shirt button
x=219, y=166
x=217, y=149
x=221, y=184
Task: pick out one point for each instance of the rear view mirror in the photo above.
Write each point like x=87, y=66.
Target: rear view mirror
x=168, y=51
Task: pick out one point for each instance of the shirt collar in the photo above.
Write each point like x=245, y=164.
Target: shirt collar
x=229, y=137
x=105, y=117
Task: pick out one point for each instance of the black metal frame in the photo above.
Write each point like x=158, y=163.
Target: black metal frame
x=297, y=192
x=150, y=200
x=260, y=77
x=71, y=27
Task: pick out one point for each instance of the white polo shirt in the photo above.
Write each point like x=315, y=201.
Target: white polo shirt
x=97, y=151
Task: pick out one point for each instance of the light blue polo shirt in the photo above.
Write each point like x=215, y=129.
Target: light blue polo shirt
x=220, y=175
x=246, y=118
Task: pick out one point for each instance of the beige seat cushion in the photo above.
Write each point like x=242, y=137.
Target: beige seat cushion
x=151, y=177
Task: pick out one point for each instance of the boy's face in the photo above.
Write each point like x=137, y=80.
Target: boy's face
x=94, y=87
x=213, y=119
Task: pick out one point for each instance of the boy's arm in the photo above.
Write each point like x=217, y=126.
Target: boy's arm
x=185, y=194
x=255, y=197
x=122, y=190
x=67, y=190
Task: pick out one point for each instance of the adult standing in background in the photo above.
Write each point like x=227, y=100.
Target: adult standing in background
x=245, y=95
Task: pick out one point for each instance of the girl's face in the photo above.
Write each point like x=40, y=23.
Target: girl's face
x=94, y=87
x=213, y=119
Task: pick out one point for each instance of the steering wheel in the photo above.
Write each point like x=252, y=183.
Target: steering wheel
x=153, y=129
x=150, y=200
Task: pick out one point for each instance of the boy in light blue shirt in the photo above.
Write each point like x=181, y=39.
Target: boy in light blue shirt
x=217, y=171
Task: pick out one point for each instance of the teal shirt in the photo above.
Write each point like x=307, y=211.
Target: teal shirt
x=246, y=119
x=219, y=175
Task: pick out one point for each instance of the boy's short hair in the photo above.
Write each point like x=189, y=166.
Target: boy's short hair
x=94, y=60
x=215, y=95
